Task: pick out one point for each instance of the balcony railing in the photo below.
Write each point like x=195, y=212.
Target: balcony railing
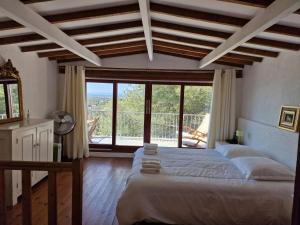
x=130, y=125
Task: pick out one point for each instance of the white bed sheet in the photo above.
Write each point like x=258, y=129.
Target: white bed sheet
x=201, y=187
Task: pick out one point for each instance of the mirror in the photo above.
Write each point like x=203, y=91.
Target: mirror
x=11, y=105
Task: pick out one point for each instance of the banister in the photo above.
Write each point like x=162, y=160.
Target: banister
x=37, y=166
x=75, y=167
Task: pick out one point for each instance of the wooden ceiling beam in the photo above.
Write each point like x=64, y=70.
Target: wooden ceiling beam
x=187, y=56
x=71, y=32
x=219, y=19
x=29, y=18
x=146, y=20
x=202, y=51
x=106, y=56
x=77, y=15
x=34, y=1
x=191, y=52
x=196, y=54
x=168, y=37
x=225, y=35
x=260, y=22
x=93, y=49
x=100, y=40
x=255, y=3
x=106, y=53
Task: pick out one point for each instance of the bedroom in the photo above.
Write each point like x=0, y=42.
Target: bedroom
x=147, y=72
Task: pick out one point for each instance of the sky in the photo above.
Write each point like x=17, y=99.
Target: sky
x=104, y=89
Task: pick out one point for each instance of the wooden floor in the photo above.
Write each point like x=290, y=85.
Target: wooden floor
x=104, y=180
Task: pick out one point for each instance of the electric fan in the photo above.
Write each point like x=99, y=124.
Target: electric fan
x=63, y=125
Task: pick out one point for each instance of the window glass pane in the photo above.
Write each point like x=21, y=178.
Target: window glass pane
x=130, y=114
x=14, y=99
x=197, y=102
x=165, y=115
x=2, y=103
x=100, y=103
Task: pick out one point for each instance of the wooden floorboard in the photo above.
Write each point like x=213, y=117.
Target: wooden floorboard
x=103, y=180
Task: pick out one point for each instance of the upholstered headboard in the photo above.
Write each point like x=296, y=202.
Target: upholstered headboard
x=281, y=145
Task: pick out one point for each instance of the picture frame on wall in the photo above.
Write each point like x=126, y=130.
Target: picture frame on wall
x=289, y=118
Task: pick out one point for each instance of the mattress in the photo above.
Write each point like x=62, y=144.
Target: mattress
x=201, y=187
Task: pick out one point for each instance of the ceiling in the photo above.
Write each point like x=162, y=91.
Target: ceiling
x=189, y=29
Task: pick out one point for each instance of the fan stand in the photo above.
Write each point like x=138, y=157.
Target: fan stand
x=61, y=140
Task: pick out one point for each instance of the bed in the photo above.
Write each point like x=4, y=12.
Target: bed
x=201, y=187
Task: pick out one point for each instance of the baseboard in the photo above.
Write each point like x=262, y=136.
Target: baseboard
x=111, y=154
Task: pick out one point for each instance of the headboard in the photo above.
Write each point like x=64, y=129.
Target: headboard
x=279, y=144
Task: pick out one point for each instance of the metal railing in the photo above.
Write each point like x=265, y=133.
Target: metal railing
x=164, y=126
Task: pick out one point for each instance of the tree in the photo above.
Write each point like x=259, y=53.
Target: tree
x=165, y=108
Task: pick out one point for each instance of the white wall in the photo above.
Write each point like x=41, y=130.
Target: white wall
x=39, y=79
x=266, y=87
x=160, y=61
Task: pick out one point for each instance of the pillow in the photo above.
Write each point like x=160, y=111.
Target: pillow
x=232, y=151
x=259, y=168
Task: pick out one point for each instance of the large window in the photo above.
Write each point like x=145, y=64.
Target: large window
x=129, y=114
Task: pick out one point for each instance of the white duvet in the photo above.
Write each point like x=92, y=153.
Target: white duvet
x=201, y=187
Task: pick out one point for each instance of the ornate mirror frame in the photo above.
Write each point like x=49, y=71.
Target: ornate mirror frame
x=7, y=70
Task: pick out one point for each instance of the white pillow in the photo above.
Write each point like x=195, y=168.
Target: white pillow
x=232, y=151
x=259, y=168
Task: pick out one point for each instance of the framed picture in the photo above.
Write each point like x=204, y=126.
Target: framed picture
x=289, y=118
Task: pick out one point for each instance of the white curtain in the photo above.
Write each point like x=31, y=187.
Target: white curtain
x=223, y=109
x=74, y=102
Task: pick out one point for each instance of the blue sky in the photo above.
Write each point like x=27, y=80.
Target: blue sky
x=104, y=89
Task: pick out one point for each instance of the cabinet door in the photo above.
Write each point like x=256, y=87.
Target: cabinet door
x=45, y=146
x=26, y=141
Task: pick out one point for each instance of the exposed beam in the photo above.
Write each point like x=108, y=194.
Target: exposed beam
x=71, y=32
x=183, y=54
x=77, y=15
x=26, y=16
x=203, y=52
x=100, y=40
x=259, y=23
x=94, y=49
x=184, y=40
x=244, y=59
x=255, y=3
x=146, y=20
x=225, y=35
x=34, y=1
x=105, y=53
x=155, y=74
x=221, y=19
x=190, y=51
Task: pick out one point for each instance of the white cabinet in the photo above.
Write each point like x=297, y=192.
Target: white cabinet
x=25, y=141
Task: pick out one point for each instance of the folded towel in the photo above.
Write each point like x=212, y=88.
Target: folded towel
x=150, y=152
x=151, y=160
x=150, y=146
x=151, y=166
x=150, y=171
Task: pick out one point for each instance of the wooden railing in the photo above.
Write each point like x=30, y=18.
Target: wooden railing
x=74, y=167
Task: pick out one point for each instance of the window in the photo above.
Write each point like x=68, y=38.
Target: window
x=129, y=114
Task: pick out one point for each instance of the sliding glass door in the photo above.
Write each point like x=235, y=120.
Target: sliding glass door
x=165, y=114
x=128, y=114
x=100, y=111
x=196, y=109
